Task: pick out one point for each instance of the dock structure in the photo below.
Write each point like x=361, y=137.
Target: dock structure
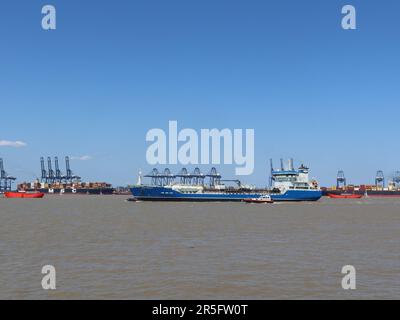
x=51, y=176
x=185, y=177
x=380, y=180
x=6, y=180
x=396, y=178
x=341, y=181
x=50, y=171
x=43, y=169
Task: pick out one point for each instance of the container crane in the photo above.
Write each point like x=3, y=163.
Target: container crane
x=380, y=180
x=215, y=177
x=50, y=175
x=58, y=176
x=341, y=180
x=70, y=177
x=396, y=178
x=43, y=170
x=5, y=180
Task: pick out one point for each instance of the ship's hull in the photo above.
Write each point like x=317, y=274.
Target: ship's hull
x=23, y=195
x=345, y=196
x=78, y=191
x=297, y=195
x=369, y=193
x=152, y=193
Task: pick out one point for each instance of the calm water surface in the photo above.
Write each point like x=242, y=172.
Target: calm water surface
x=106, y=248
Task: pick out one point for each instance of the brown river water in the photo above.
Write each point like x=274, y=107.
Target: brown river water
x=103, y=247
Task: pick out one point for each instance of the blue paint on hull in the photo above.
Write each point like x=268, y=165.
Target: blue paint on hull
x=152, y=193
x=298, y=195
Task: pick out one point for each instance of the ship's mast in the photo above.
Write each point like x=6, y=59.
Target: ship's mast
x=270, y=173
x=139, y=182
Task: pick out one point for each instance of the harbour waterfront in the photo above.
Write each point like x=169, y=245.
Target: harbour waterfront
x=107, y=248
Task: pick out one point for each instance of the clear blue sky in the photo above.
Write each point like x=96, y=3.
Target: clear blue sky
x=115, y=69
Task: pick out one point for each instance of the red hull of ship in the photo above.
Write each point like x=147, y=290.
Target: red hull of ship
x=345, y=196
x=19, y=195
x=384, y=195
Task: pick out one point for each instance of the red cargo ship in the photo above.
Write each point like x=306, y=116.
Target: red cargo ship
x=27, y=195
x=345, y=196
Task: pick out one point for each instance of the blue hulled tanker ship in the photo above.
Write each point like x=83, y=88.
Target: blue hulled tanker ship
x=286, y=184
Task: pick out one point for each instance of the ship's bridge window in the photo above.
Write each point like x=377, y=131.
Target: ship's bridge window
x=301, y=186
x=285, y=179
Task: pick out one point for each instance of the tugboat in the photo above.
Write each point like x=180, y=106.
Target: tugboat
x=263, y=199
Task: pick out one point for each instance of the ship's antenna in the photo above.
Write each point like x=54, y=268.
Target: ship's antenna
x=270, y=174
